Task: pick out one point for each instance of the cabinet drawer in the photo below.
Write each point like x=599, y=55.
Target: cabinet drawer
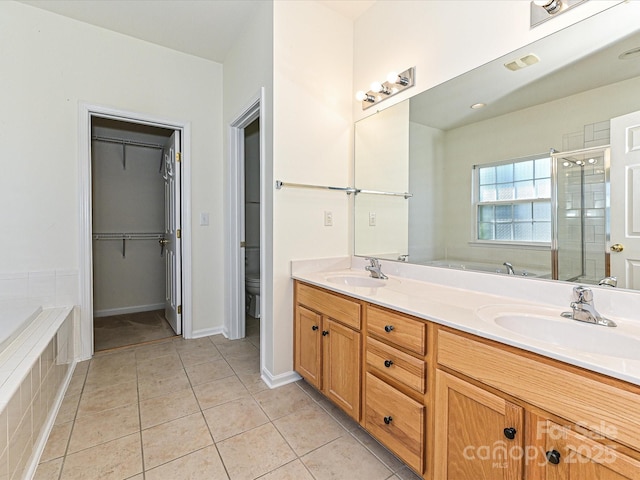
x=398, y=329
x=396, y=364
x=396, y=420
x=333, y=306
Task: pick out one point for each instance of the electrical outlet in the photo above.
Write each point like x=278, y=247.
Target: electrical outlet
x=372, y=219
x=204, y=219
x=328, y=218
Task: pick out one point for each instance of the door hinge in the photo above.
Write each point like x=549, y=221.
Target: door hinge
x=178, y=233
x=179, y=309
x=243, y=244
x=178, y=157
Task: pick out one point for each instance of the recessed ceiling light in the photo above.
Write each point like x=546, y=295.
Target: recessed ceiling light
x=476, y=106
x=634, y=52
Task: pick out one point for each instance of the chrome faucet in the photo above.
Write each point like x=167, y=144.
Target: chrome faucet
x=583, y=309
x=375, y=269
x=608, y=282
x=510, y=270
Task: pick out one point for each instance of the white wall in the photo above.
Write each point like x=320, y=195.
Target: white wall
x=51, y=64
x=312, y=143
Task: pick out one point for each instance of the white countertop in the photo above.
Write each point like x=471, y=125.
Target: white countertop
x=473, y=311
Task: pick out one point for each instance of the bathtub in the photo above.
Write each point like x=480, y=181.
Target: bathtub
x=36, y=363
x=487, y=267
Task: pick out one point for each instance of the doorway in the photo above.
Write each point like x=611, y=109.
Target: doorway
x=174, y=167
x=134, y=257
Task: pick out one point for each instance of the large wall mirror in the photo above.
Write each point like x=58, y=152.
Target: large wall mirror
x=525, y=184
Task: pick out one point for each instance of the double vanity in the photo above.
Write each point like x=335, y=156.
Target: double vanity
x=463, y=384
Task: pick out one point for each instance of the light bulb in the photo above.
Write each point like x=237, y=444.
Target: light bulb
x=376, y=87
x=392, y=77
x=360, y=95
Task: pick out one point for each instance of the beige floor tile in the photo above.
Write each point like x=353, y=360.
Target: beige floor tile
x=108, y=397
x=82, y=368
x=49, y=470
x=68, y=409
x=253, y=382
x=237, y=348
x=160, y=367
x=140, y=476
x=75, y=385
x=181, y=344
x=311, y=391
x=155, y=387
x=308, y=429
x=220, y=340
x=200, y=354
x=104, y=376
x=291, y=471
x=255, y=453
x=155, y=350
x=113, y=460
x=384, y=455
x=111, y=360
x=57, y=442
x=235, y=417
x=282, y=401
x=345, y=458
x=103, y=427
x=245, y=363
x=208, y=372
x=219, y=391
x=168, y=407
x=203, y=464
x=168, y=441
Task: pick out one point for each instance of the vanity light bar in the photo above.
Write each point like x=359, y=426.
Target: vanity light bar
x=396, y=83
x=543, y=10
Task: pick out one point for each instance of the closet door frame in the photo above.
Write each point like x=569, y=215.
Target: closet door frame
x=84, y=317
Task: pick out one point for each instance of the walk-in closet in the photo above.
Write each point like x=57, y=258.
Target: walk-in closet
x=129, y=218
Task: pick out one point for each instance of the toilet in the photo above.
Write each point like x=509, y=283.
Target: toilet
x=252, y=281
x=252, y=286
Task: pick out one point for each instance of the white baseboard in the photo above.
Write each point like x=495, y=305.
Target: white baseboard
x=275, y=381
x=124, y=310
x=205, y=332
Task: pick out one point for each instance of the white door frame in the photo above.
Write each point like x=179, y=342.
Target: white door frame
x=86, y=112
x=234, y=323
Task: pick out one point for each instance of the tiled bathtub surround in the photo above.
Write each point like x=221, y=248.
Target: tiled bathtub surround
x=33, y=371
x=48, y=288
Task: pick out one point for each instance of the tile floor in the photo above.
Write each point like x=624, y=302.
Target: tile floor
x=197, y=409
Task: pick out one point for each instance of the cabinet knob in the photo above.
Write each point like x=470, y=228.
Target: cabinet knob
x=510, y=433
x=388, y=420
x=314, y=328
x=388, y=363
x=325, y=333
x=388, y=328
x=553, y=456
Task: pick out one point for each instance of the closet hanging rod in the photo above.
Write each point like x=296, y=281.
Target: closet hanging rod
x=121, y=141
x=348, y=190
x=128, y=236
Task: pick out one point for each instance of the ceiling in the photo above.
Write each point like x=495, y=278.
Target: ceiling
x=204, y=28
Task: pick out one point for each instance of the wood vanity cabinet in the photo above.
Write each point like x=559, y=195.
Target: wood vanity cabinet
x=327, y=347
x=396, y=383
x=568, y=424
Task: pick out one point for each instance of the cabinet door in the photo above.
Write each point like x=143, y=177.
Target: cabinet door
x=308, y=341
x=572, y=456
x=341, y=366
x=478, y=435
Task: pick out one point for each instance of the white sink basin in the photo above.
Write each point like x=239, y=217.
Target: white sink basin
x=546, y=325
x=356, y=281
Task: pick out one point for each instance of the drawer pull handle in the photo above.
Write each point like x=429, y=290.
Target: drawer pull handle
x=325, y=333
x=388, y=420
x=314, y=328
x=388, y=363
x=388, y=328
x=510, y=433
x=553, y=456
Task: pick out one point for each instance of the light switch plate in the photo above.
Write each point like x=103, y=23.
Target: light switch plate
x=204, y=219
x=372, y=219
x=328, y=218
